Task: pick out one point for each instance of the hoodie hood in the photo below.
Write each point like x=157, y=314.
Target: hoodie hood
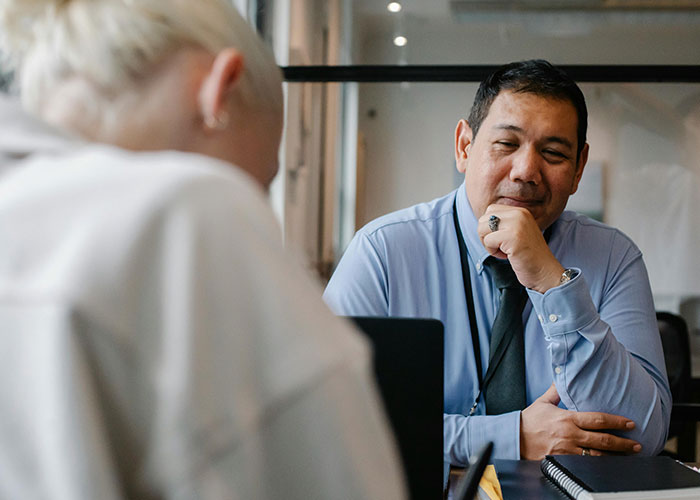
x=22, y=135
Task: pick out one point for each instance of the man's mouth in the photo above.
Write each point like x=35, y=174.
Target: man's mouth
x=517, y=201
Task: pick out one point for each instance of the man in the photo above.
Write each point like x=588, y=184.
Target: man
x=576, y=364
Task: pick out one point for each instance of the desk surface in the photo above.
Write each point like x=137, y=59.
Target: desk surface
x=520, y=480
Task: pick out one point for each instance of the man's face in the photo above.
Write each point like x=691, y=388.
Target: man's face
x=523, y=155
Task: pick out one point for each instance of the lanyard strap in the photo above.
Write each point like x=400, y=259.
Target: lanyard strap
x=466, y=277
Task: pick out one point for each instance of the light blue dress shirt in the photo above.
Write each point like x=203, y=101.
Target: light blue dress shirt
x=595, y=337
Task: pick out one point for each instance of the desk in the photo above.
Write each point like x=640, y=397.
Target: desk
x=523, y=479
x=520, y=480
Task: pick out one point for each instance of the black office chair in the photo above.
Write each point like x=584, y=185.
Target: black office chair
x=685, y=414
x=674, y=337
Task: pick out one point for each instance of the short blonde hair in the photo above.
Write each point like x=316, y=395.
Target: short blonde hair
x=112, y=43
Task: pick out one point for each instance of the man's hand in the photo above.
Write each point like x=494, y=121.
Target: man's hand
x=520, y=240
x=546, y=429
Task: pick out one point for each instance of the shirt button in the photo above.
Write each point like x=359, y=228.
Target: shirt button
x=478, y=266
x=557, y=370
x=553, y=318
x=539, y=316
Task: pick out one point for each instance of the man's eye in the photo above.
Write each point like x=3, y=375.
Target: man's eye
x=506, y=144
x=551, y=153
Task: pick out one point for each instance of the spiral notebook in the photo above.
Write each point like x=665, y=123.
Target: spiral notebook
x=621, y=477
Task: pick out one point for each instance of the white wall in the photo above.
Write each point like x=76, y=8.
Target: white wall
x=409, y=141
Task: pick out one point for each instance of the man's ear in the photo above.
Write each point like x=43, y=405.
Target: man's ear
x=463, y=140
x=223, y=76
x=582, y=159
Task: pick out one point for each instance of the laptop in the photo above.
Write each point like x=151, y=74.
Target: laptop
x=408, y=363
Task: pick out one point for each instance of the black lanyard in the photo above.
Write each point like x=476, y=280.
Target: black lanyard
x=466, y=277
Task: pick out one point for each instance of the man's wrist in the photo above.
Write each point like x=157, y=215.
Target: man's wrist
x=552, y=279
x=567, y=275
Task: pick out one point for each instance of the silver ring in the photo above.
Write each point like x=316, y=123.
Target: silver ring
x=493, y=223
x=585, y=452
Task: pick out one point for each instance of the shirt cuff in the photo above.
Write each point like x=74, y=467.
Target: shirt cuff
x=503, y=430
x=564, y=309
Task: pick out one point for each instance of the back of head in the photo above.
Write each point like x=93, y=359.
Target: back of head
x=112, y=44
x=537, y=77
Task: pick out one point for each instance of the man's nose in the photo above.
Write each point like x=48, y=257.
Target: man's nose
x=526, y=166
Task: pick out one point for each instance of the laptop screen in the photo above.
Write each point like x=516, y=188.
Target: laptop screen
x=408, y=362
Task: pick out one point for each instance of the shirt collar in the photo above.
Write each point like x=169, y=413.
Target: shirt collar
x=468, y=224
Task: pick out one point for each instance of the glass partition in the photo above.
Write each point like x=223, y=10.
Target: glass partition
x=355, y=149
x=392, y=145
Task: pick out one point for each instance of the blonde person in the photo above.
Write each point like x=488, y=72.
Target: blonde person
x=156, y=341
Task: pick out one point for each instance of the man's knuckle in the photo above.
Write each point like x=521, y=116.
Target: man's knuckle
x=594, y=420
x=559, y=445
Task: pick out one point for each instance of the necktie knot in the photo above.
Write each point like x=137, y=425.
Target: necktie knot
x=502, y=273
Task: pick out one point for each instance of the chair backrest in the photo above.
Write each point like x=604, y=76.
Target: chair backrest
x=674, y=337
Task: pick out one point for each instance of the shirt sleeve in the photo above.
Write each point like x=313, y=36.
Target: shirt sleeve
x=465, y=436
x=282, y=459
x=262, y=391
x=609, y=358
x=358, y=286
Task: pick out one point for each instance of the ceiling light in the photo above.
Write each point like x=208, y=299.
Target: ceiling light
x=394, y=7
x=400, y=41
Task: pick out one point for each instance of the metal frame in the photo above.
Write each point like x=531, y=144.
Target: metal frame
x=476, y=73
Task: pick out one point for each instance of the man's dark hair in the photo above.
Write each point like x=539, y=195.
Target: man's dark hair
x=537, y=77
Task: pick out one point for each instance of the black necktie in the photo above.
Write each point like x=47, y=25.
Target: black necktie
x=505, y=377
